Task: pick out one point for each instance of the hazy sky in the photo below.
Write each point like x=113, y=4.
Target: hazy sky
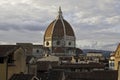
x=96, y=22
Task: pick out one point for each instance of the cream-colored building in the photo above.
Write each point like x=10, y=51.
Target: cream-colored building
x=3, y=67
x=112, y=61
x=14, y=61
x=94, y=54
x=118, y=71
x=117, y=57
x=19, y=62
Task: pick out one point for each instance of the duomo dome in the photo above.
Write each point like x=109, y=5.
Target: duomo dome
x=59, y=28
x=60, y=36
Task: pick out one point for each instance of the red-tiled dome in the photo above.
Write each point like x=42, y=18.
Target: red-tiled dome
x=59, y=27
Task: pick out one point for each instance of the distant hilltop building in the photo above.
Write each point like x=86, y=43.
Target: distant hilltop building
x=59, y=37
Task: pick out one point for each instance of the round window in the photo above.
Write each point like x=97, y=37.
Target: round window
x=47, y=43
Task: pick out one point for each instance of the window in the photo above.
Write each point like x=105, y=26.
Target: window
x=37, y=51
x=112, y=64
x=58, y=43
x=69, y=43
x=47, y=43
x=1, y=60
x=10, y=59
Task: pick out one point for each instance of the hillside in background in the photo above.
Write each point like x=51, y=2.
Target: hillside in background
x=104, y=52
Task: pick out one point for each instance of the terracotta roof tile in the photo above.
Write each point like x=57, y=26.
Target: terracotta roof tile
x=91, y=65
x=56, y=29
x=27, y=47
x=56, y=74
x=5, y=49
x=96, y=75
x=43, y=66
x=28, y=58
x=37, y=46
x=22, y=77
x=65, y=58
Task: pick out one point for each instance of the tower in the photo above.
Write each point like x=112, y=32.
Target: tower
x=59, y=37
